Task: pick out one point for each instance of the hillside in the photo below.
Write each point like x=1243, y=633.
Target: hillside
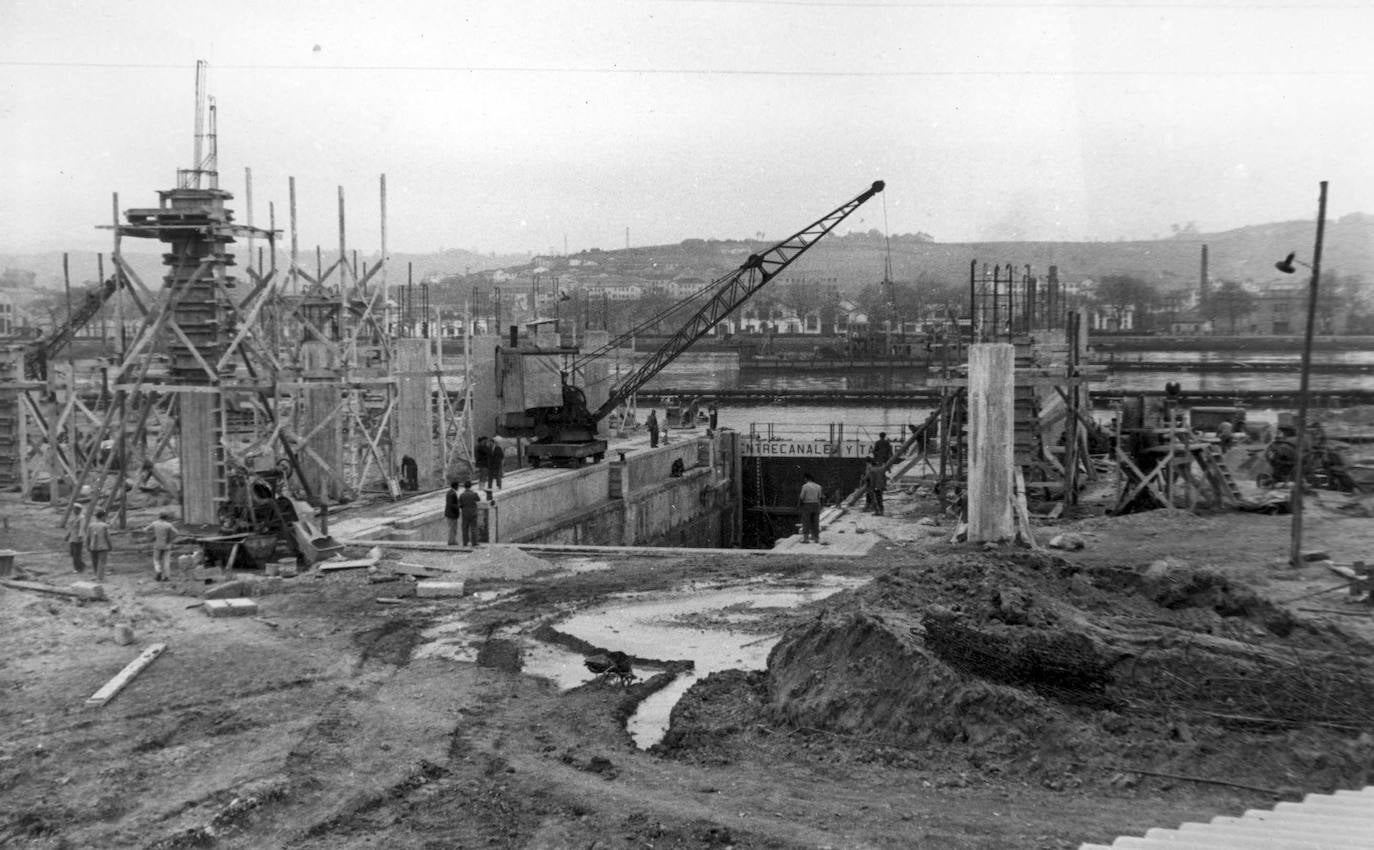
x=1247, y=253
x=147, y=263
x=856, y=259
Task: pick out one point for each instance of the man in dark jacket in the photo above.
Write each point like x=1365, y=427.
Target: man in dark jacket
x=468, y=501
x=876, y=480
x=882, y=450
x=452, y=512
x=496, y=466
x=482, y=461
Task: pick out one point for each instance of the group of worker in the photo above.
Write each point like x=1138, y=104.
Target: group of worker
x=874, y=483
x=688, y=418
x=461, y=505
x=92, y=537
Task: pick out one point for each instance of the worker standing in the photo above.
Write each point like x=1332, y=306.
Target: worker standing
x=76, y=537
x=496, y=467
x=452, y=512
x=875, y=478
x=652, y=424
x=1226, y=435
x=98, y=544
x=163, y=534
x=468, y=500
x=482, y=461
x=882, y=450
x=809, y=505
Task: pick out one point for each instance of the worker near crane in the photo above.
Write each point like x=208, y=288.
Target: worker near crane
x=468, y=500
x=652, y=424
x=481, y=459
x=452, y=512
x=809, y=506
x=496, y=467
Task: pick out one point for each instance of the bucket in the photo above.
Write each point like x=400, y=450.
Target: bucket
x=6, y=563
x=124, y=634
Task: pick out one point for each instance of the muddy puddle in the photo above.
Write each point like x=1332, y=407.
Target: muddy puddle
x=716, y=627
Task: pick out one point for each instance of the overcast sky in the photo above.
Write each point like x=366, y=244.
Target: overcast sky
x=514, y=125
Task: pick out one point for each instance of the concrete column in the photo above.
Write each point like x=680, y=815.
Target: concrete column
x=318, y=402
x=991, y=417
x=202, y=457
x=485, y=406
x=415, y=431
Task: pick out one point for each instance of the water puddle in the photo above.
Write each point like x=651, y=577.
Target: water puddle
x=716, y=626
x=709, y=625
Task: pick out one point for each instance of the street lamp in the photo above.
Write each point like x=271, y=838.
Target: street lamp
x=1286, y=265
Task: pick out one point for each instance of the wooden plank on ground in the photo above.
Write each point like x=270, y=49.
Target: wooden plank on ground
x=125, y=676
x=41, y=588
x=374, y=555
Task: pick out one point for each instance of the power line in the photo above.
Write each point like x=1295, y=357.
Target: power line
x=719, y=72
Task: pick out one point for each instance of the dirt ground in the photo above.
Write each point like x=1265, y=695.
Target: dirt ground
x=924, y=709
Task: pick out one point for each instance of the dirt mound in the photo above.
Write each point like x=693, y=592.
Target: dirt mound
x=1029, y=665
x=500, y=562
x=857, y=674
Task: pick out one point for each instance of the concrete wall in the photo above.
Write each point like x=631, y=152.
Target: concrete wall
x=648, y=467
x=519, y=510
x=581, y=506
x=658, y=513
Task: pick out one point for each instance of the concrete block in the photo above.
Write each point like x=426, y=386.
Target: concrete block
x=88, y=589
x=435, y=589
x=230, y=607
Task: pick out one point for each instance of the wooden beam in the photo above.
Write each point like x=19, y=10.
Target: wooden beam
x=125, y=676
x=42, y=588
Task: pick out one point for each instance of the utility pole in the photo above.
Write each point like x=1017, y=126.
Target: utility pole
x=1295, y=550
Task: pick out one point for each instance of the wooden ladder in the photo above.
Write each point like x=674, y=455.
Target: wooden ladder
x=1217, y=461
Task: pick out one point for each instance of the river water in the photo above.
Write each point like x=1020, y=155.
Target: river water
x=705, y=372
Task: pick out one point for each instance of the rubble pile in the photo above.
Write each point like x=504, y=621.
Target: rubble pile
x=1028, y=665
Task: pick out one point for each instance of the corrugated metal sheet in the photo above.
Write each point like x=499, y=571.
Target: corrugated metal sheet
x=1340, y=821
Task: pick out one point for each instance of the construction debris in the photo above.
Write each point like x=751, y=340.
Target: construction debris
x=231, y=607
x=77, y=590
x=439, y=589
x=374, y=555
x=125, y=676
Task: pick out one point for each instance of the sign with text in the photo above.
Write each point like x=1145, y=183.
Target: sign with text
x=759, y=447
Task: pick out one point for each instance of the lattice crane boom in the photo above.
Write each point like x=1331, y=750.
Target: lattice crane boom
x=731, y=291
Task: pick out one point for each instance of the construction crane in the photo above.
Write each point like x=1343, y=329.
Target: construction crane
x=568, y=433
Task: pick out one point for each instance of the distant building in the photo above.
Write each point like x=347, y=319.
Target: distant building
x=1190, y=323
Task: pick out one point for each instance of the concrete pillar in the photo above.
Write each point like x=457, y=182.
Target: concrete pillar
x=485, y=408
x=991, y=418
x=202, y=457
x=320, y=400
x=415, y=430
